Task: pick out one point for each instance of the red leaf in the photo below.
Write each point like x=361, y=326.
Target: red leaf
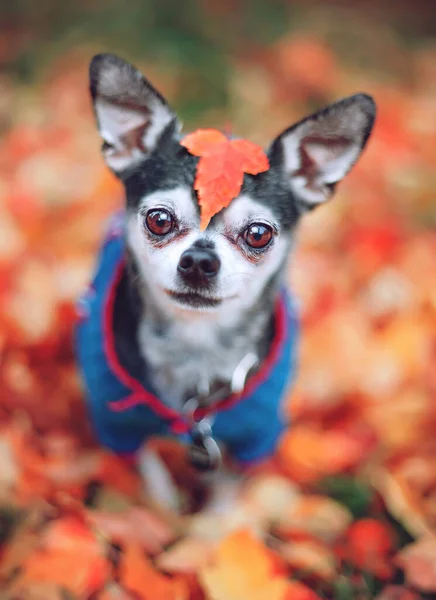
x=369, y=545
x=219, y=180
x=71, y=556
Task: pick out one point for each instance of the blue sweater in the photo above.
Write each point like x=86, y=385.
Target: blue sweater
x=125, y=412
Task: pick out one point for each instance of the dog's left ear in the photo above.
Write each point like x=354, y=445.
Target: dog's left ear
x=131, y=114
x=316, y=153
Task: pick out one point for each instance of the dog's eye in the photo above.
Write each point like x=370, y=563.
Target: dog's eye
x=258, y=235
x=159, y=222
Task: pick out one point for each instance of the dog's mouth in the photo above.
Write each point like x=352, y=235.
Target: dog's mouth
x=194, y=299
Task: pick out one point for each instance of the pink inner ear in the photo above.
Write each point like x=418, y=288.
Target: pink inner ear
x=135, y=137
x=322, y=151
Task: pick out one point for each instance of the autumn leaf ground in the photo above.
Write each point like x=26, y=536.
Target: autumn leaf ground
x=348, y=510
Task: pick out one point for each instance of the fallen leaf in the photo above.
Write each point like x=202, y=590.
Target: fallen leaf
x=401, y=500
x=369, y=545
x=271, y=496
x=136, y=524
x=308, y=453
x=38, y=591
x=116, y=473
x=69, y=555
x=418, y=560
x=242, y=569
x=24, y=540
x=138, y=576
x=315, y=515
x=397, y=592
x=310, y=558
x=187, y=556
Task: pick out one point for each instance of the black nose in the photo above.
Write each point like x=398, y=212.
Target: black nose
x=198, y=266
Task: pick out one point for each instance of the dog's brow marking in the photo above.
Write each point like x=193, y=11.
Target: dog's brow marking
x=178, y=199
x=245, y=209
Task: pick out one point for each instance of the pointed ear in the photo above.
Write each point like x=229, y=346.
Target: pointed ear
x=316, y=153
x=131, y=115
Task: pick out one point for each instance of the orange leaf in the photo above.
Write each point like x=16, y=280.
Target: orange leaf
x=220, y=171
x=71, y=556
x=243, y=569
x=76, y=572
x=201, y=141
x=218, y=181
x=138, y=576
x=187, y=556
x=308, y=453
x=299, y=591
x=117, y=474
x=254, y=158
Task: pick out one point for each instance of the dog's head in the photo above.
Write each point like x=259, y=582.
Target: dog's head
x=244, y=247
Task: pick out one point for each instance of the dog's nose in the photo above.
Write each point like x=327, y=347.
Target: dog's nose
x=198, y=266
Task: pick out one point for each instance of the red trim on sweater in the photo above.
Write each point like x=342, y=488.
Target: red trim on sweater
x=140, y=394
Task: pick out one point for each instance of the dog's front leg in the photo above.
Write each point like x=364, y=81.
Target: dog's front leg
x=224, y=488
x=227, y=485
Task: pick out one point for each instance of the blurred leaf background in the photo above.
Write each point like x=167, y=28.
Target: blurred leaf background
x=196, y=43
x=358, y=464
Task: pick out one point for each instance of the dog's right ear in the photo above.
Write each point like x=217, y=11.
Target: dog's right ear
x=131, y=115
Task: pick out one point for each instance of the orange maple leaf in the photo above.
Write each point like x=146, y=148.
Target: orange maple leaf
x=243, y=568
x=137, y=575
x=369, y=544
x=69, y=555
x=221, y=168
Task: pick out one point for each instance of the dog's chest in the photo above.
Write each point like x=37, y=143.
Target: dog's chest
x=190, y=357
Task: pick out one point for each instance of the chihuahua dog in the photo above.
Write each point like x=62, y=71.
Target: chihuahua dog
x=188, y=331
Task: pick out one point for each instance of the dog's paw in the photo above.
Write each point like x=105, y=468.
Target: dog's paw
x=224, y=511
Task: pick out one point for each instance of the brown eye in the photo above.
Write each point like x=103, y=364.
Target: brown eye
x=258, y=235
x=159, y=222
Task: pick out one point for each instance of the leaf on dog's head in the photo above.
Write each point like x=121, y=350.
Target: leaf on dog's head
x=221, y=168
x=201, y=141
